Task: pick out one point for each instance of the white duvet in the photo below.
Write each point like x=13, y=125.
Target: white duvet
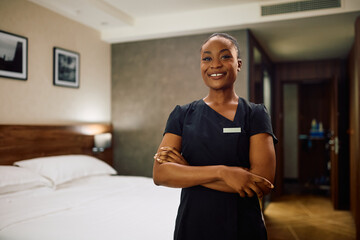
x=99, y=207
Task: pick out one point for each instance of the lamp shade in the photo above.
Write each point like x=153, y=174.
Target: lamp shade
x=102, y=140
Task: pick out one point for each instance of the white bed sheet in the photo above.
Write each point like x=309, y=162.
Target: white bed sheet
x=99, y=207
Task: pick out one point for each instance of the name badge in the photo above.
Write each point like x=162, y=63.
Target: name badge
x=232, y=130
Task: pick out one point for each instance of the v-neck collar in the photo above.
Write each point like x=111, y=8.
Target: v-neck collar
x=222, y=116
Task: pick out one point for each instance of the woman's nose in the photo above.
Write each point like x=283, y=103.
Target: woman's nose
x=216, y=63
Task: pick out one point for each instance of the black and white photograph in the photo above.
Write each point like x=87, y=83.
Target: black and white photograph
x=13, y=56
x=66, y=68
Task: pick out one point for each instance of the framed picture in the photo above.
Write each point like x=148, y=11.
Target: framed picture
x=66, y=68
x=13, y=56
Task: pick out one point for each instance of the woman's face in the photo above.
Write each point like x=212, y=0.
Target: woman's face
x=219, y=63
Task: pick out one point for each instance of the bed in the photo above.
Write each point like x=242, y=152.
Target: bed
x=53, y=186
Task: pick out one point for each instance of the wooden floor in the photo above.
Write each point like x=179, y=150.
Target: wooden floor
x=307, y=217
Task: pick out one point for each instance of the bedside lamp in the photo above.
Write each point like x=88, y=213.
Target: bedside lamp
x=101, y=142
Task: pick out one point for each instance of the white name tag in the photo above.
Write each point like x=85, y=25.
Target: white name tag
x=232, y=130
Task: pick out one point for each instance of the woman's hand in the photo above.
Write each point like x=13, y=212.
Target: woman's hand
x=244, y=182
x=169, y=154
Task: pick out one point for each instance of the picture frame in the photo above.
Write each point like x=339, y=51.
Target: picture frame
x=13, y=56
x=66, y=68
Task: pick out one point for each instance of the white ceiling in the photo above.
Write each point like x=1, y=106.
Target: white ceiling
x=309, y=35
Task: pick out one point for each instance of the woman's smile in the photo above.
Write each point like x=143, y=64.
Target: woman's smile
x=217, y=75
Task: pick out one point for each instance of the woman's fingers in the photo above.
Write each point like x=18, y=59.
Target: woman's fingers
x=168, y=154
x=158, y=159
x=248, y=192
x=255, y=189
x=176, y=152
x=242, y=194
x=258, y=179
x=172, y=150
x=161, y=158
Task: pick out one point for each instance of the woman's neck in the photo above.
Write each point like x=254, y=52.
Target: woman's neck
x=221, y=97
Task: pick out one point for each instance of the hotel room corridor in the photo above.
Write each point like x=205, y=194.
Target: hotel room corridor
x=307, y=217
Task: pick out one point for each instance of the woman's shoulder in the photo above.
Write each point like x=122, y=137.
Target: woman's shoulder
x=189, y=106
x=181, y=111
x=252, y=110
x=251, y=106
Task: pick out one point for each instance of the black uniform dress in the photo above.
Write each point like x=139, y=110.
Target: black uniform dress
x=208, y=138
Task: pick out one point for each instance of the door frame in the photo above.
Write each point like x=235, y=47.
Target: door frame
x=295, y=72
x=334, y=142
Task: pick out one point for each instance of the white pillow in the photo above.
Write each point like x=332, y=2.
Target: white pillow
x=61, y=169
x=13, y=179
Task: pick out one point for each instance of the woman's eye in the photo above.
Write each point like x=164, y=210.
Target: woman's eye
x=226, y=57
x=206, y=59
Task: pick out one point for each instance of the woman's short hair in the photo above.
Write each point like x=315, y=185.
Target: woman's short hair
x=226, y=36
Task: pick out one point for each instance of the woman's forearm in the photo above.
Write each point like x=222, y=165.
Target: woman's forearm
x=217, y=177
x=219, y=186
x=183, y=176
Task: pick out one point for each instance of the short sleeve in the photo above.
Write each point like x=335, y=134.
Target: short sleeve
x=175, y=121
x=260, y=121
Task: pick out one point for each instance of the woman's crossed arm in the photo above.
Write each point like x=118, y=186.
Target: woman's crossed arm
x=172, y=170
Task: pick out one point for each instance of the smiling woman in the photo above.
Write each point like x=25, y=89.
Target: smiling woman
x=220, y=151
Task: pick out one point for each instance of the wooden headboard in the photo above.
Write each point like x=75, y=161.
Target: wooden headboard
x=19, y=142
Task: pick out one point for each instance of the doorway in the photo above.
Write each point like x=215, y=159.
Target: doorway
x=314, y=79
x=306, y=128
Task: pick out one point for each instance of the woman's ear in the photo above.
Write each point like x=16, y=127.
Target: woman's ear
x=239, y=65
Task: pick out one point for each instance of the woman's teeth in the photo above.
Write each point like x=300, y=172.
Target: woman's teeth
x=216, y=74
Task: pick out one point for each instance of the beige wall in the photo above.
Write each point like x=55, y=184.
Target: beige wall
x=149, y=79
x=37, y=100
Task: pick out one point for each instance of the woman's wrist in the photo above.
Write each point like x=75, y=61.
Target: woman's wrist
x=221, y=172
